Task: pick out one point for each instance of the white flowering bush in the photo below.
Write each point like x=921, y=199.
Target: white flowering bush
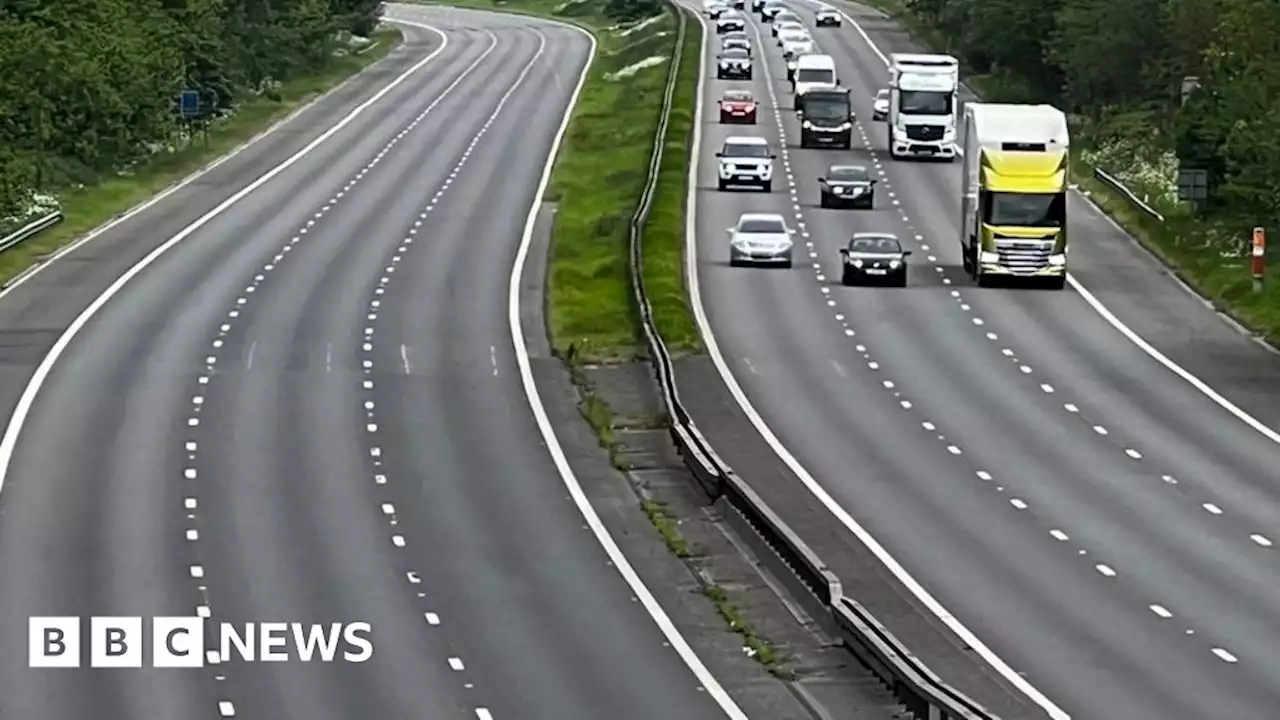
x=1151, y=174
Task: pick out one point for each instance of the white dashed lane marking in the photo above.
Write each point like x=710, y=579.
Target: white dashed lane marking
x=1025, y=369
x=368, y=346
x=191, y=504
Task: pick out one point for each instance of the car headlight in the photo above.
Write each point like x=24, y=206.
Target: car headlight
x=1058, y=260
x=847, y=126
x=724, y=66
x=895, y=264
x=856, y=263
x=806, y=125
x=988, y=257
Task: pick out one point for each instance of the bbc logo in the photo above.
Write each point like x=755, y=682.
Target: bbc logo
x=115, y=642
x=179, y=642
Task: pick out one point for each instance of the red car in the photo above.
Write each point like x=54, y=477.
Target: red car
x=738, y=106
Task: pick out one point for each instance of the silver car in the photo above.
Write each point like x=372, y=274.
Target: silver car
x=880, y=106
x=783, y=18
x=760, y=238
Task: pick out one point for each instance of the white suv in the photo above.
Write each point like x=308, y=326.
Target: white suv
x=746, y=161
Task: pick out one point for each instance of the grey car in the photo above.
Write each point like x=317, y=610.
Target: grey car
x=874, y=257
x=848, y=185
x=760, y=238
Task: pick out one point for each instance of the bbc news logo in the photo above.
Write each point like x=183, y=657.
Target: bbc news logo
x=180, y=642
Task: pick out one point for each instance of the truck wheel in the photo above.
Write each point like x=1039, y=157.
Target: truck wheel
x=1057, y=283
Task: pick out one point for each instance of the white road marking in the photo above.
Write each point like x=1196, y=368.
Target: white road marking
x=1059, y=535
x=814, y=487
x=226, y=708
x=1261, y=540
x=404, y=360
x=601, y=533
x=1102, y=310
x=1212, y=508
x=456, y=664
x=1161, y=611
x=1224, y=655
x=1105, y=570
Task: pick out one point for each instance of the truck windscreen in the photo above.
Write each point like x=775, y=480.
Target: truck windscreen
x=816, y=75
x=925, y=102
x=1025, y=210
x=827, y=107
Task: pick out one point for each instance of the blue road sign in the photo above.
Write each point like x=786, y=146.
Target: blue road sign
x=190, y=103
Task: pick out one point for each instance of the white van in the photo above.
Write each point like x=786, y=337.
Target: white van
x=813, y=71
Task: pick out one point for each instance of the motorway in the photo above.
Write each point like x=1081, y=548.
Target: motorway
x=309, y=410
x=1101, y=526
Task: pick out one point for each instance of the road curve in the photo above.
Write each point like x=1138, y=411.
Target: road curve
x=309, y=411
x=1099, y=524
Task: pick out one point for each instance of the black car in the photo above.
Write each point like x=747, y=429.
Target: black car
x=874, y=257
x=848, y=185
x=733, y=64
x=757, y=5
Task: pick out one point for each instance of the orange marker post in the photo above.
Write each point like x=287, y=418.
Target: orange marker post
x=1259, y=258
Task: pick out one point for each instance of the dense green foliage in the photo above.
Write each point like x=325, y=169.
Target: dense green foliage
x=1118, y=66
x=88, y=87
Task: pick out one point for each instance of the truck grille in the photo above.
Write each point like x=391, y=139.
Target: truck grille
x=925, y=132
x=1024, y=254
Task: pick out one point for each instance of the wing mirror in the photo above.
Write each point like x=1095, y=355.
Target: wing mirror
x=874, y=181
x=719, y=154
x=773, y=156
x=844, y=252
x=906, y=253
x=729, y=230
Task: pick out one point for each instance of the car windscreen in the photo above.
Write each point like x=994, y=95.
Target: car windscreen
x=737, y=96
x=882, y=95
x=816, y=75
x=734, y=54
x=827, y=107
x=762, y=226
x=875, y=246
x=848, y=174
x=744, y=150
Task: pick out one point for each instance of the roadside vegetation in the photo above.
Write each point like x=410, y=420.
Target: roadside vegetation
x=88, y=93
x=1117, y=67
x=600, y=174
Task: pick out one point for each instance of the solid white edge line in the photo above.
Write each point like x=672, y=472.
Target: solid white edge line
x=1102, y=310
x=814, y=487
x=27, y=400
x=620, y=562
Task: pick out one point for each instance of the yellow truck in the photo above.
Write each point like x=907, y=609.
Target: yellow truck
x=1013, y=217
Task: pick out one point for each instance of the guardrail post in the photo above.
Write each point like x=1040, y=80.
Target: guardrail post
x=1259, y=258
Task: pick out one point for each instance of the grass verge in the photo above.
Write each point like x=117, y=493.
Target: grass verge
x=1184, y=245
x=87, y=208
x=598, y=179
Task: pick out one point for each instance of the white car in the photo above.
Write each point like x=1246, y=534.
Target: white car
x=827, y=16
x=745, y=160
x=760, y=238
x=793, y=49
x=794, y=28
x=784, y=16
x=716, y=8
x=791, y=36
x=730, y=21
x=771, y=9
x=880, y=106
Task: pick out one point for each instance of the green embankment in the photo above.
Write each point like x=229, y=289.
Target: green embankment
x=600, y=174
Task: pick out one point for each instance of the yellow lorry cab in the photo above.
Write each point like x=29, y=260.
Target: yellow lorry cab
x=1014, y=205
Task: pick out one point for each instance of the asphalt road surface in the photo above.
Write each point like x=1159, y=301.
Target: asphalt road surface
x=1103, y=527
x=309, y=411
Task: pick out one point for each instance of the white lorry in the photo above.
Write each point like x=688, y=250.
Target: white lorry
x=923, y=105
